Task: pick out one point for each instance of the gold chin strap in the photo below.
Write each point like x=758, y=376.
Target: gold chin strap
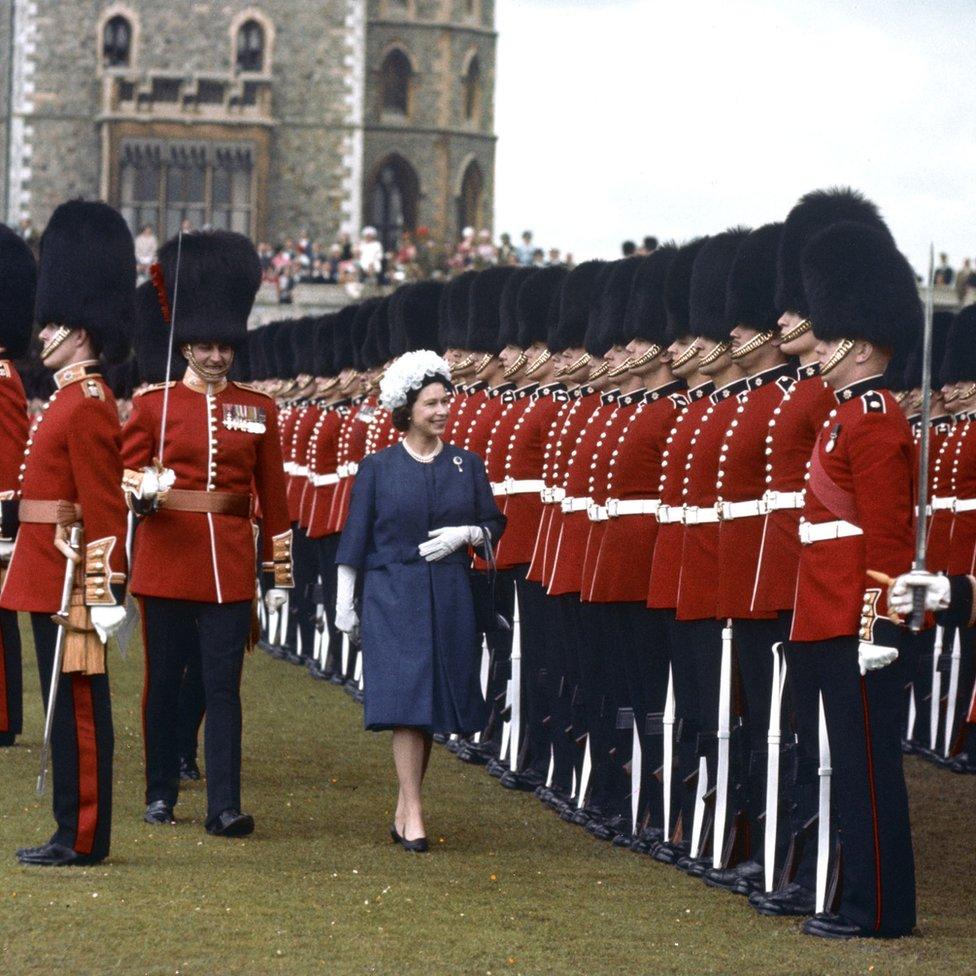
x=205, y=373
x=756, y=342
x=802, y=328
x=843, y=348
x=717, y=353
x=900, y=396
x=686, y=356
x=965, y=394
x=572, y=367
x=463, y=365
x=534, y=367
x=516, y=366
x=647, y=357
x=331, y=385
x=55, y=341
x=624, y=367
x=485, y=360
x=601, y=370
x=948, y=398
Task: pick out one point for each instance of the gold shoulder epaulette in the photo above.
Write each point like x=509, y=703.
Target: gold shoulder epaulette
x=4, y=369
x=251, y=388
x=153, y=388
x=91, y=387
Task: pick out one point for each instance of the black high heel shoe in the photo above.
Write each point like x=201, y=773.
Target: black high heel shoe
x=397, y=839
x=417, y=846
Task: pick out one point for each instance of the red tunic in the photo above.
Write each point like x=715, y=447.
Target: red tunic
x=467, y=400
x=697, y=585
x=72, y=454
x=209, y=558
x=942, y=484
x=322, y=460
x=865, y=452
x=13, y=428
x=295, y=458
x=742, y=479
x=623, y=566
x=962, y=542
x=793, y=429
x=352, y=449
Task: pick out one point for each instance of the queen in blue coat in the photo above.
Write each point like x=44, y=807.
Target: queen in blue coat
x=416, y=509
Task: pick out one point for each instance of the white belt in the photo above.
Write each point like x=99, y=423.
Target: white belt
x=670, y=514
x=597, y=513
x=290, y=467
x=729, y=511
x=299, y=470
x=964, y=505
x=515, y=486
x=774, y=501
x=633, y=506
x=942, y=504
x=352, y=469
x=811, y=532
x=552, y=496
x=580, y=504
x=321, y=480
x=694, y=515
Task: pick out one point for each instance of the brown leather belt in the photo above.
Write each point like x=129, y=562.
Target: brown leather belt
x=48, y=512
x=210, y=502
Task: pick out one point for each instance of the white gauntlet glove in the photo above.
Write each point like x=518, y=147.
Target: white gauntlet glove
x=274, y=599
x=106, y=621
x=155, y=483
x=873, y=657
x=443, y=542
x=6, y=551
x=901, y=592
x=346, y=618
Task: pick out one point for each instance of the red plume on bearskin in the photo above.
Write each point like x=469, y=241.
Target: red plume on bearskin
x=156, y=273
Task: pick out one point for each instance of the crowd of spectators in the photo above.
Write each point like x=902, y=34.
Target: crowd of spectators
x=962, y=279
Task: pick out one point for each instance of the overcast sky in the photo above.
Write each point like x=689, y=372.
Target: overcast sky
x=632, y=117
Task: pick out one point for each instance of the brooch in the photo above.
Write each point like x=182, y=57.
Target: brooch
x=458, y=463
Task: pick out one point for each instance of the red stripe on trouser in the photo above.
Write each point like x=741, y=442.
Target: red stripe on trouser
x=874, y=806
x=4, y=715
x=87, y=763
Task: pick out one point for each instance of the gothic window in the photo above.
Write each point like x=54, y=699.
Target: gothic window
x=392, y=200
x=208, y=184
x=117, y=43
x=472, y=91
x=471, y=202
x=250, y=46
x=396, y=72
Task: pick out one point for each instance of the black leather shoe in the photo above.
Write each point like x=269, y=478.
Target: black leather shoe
x=496, y=768
x=51, y=855
x=964, y=763
x=232, y=823
x=467, y=753
x=316, y=673
x=694, y=867
x=189, y=770
x=7, y=739
x=159, y=812
x=792, y=900
x=337, y=679
x=743, y=879
x=418, y=845
x=837, y=927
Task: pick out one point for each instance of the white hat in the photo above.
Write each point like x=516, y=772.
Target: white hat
x=408, y=373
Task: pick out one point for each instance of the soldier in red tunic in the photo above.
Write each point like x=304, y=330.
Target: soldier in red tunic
x=858, y=516
x=194, y=552
x=70, y=475
x=18, y=280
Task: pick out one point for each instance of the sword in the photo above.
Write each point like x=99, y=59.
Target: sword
x=72, y=554
x=917, y=618
x=169, y=349
x=724, y=732
x=773, y=740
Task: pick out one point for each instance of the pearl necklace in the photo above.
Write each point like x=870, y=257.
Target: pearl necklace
x=423, y=458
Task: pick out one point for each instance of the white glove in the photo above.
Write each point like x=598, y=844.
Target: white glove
x=443, y=542
x=275, y=599
x=872, y=657
x=6, y=551
x=346, y=619
x=901, y=593
x=106, y=621
x=155, y=483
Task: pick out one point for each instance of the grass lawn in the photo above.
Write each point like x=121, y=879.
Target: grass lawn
x=508, y=888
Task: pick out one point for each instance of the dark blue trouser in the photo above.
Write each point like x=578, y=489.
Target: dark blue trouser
x=11, y=679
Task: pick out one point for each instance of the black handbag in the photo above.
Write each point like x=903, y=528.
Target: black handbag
x=489, y=612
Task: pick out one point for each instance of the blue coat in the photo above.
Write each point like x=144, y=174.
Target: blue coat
x=421, y=651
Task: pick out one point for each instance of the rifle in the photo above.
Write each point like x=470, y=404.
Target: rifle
x=72, y=554
x=724, y=731
x=773, y=740
x=823, y=815
x=950, y=716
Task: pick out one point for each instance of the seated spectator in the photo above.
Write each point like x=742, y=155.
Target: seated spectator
x=485, y=253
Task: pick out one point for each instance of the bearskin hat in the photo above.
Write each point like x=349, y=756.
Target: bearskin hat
x=268, y=335
x=150, y=339
x=615, y=301
x=87, y=275
x=283, y=353
x=220, y=274
x=241, y=369
x=414, y=317
x=302, y=337
x=18, y=284
x=508, y=334
x=453, y=318
x=578, y=289
x=362, y=326
x=677, y=290
x=813, y=213
x=859, y=286
x=959, y=360
x=594, y=342
x=912, y=380
x=484, y=317
x=709, y=282
x=646, y=315
x=751, y=286
x=346, y=341
x=324, y=340
x=537, y=305
x=255, y=348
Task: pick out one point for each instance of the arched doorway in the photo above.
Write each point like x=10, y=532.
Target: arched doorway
x=471, y=200
x=391, y=199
